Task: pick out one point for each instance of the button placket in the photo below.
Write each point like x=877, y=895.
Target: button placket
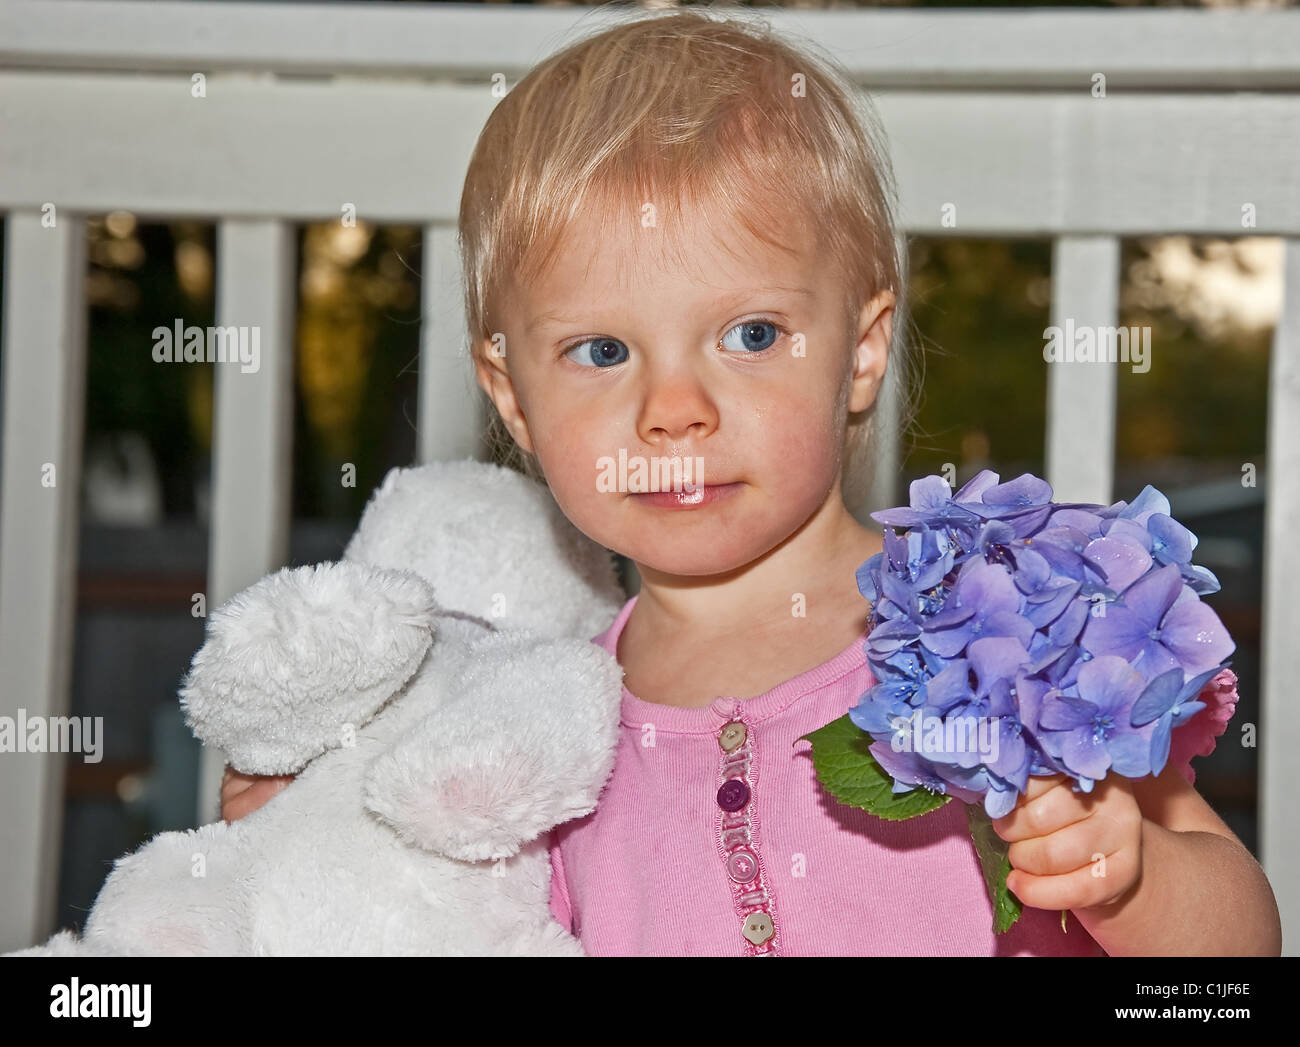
x=736, y=834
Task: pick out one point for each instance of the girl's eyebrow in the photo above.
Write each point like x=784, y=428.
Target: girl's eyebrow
x=739, y=296
x=547, y=318
x=749, y=292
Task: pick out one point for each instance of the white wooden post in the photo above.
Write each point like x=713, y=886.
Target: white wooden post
x=886, y=450
x=1080, y=395
x=252, y=430
x=44, y=396
x=451, y=420
x=1279, y=727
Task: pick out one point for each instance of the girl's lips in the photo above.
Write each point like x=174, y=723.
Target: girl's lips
x=701, y=496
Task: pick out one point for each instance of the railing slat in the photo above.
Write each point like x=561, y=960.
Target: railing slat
x=886, y=449
x=1081, y=395
x=1279, y=727
x=44, y=398
x=451, y=419
x=252, y=429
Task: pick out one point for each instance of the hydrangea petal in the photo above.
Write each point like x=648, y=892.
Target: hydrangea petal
x=1171, y=542
x=1130, y=754
x=1121, y=562
x=1157, y=698
x=1193, y=632
x=1110, y=683
x=1160, y=745
x=1119, y=631
x=1085, y=754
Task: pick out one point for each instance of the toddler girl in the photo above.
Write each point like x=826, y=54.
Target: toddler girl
x=681, y=281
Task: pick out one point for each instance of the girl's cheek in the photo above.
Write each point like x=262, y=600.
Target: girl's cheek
x=569, y=450
x=800, y=434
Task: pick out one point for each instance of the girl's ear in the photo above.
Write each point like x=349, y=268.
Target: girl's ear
x=494, y=379
x=873, y=331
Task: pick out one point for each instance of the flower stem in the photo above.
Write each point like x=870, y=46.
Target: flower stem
x=994, y=864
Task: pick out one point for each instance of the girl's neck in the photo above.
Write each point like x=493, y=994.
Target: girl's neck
x=688, y=640
x=810, y=571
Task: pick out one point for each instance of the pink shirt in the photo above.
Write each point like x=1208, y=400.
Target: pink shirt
x=661, y=867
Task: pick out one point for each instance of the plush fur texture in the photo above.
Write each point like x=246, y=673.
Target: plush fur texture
x=437, y=693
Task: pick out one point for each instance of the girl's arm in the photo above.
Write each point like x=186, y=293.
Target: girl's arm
x=1200, y=891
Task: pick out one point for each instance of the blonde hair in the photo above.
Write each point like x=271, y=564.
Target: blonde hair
x=680, y=107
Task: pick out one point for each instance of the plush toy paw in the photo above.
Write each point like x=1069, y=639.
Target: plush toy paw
x=298, y=662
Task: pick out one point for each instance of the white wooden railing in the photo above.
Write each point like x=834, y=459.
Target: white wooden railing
x=309, y=107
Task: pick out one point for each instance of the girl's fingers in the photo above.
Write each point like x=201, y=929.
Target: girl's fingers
x=1067, y=849
x=1052, y=809
x=247, y=793
x=1080, y=889
x=1039, y=784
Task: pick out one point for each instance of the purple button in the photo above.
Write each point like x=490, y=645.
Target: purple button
x=733, y=795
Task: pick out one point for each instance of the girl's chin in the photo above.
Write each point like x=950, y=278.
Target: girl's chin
x=708, y=559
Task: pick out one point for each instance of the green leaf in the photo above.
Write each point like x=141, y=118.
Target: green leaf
x=849, y=772
x=995, y=865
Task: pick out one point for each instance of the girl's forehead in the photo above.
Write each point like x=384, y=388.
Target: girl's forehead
x=711, y=251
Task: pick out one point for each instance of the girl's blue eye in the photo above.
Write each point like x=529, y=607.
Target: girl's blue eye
x=598, y=352
x=754, y=336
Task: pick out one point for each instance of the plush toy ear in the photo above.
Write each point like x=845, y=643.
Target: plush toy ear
x=494, y=544
x=297, y=661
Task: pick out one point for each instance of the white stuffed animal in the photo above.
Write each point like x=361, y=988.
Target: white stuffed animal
x=436, y=741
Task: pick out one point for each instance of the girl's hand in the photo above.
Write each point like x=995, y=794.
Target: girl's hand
x=242, y=794
x=1073, y=850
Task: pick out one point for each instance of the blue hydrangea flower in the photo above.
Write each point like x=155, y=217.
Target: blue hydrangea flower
x=1073, y=633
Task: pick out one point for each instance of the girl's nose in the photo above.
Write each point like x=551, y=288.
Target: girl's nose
x=676, y=408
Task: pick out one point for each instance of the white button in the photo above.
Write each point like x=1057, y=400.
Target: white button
x=732, y=736
x=758, y=927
